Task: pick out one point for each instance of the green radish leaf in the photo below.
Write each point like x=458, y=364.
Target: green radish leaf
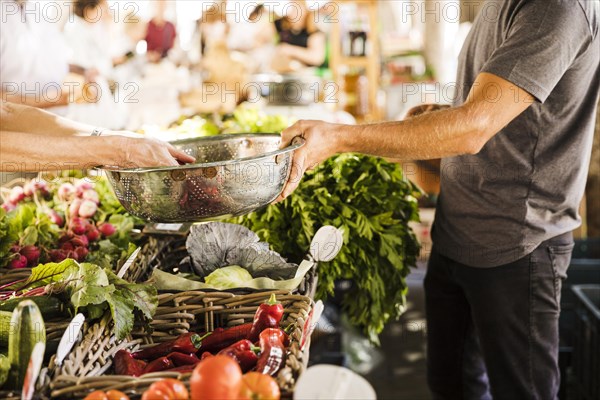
x=121, y=307
x=30, y=236
x=45, y=274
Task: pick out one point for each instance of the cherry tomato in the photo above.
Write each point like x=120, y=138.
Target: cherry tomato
x=257, y=386
x=97, y=395
x=116, y=395
x=217, y=377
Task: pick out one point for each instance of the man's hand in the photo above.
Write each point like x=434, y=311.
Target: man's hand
x=149, y=152
x=322, y=141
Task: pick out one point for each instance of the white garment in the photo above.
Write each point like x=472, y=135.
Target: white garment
x=89, y=48
x=32, y=51
x=89, y=44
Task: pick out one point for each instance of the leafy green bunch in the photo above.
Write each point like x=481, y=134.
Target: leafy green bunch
x=372, y=203
x=90, y=289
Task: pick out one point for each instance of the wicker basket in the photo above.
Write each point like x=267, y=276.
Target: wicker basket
x=84, y=368
x=174, y=250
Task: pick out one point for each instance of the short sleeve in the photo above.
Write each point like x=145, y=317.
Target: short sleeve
x=541, y=41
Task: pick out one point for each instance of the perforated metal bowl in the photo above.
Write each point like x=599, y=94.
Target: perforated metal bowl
x=233, y=175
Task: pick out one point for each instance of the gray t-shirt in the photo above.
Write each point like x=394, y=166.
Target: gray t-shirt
x=525, y=185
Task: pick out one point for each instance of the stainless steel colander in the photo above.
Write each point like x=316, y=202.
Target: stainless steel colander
x=233, y=175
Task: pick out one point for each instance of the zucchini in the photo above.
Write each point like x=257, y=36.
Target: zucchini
x=50, y=306
x=27, y=329
x=5, y=317
x=4, y=368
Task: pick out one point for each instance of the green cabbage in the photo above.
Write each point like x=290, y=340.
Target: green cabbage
x=228, y=277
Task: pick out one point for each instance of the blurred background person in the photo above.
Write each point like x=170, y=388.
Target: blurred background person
x=33, y=60
x=301, y=43
x=88, y=36
x=160, y=33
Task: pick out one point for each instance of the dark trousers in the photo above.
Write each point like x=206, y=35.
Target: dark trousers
x=493, y=332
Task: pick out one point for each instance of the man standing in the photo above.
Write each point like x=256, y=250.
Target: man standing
x=516, y=148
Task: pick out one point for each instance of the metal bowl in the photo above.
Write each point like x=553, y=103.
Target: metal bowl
x=233, y=175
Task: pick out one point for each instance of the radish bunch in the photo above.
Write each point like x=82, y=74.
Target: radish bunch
x=72, y=208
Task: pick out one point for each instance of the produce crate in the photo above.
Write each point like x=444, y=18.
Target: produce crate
x=586, y=353
x=88, y=366
x=174, y=251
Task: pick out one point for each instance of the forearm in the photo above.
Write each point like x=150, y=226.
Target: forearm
x=307, y=56
x=39, y=152
x=20, y=118
x=446, y=133
x=40, y=101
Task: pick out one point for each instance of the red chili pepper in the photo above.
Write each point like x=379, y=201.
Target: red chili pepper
x=272, y=351
x=221, y=338
x=186, y=343
x=243, y=353
x=184, y=369
x=160, y=364
x=268, y=315
x=180, y=359
x=125, y=364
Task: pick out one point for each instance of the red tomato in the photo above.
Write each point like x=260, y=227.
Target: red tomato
x=257, y=386
x=216, y=378
x=155, y=394
x=97, y=395
x=173, y=388
x=116, y=395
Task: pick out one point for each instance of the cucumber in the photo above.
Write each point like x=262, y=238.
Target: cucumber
x=27, y=329
x=49, y=306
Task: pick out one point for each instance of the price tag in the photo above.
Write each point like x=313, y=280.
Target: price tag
x=167, y=229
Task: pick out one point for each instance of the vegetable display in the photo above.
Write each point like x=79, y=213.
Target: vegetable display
x=245, y=119
x=44, y=222
x=370, y=200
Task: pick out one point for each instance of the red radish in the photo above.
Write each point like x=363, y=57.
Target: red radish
x=80, y=240
x=87, y=209
x=9, y=206
x=81, y=253
x=31, y=253
x=107, y=229
x=65, y=237
x=18, y=262
x=74, y=207
x=56, y=218
x=16, y=195
x=81, y=186
x=29, y=189
x=79, y=225
x=35, y=186
x=67, y=246
x=66, y=191
x=92, y=233
x=15, y=248
x=57, y=255
x=91, y=195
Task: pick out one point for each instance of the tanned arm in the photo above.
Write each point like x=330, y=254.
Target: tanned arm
x=493, y=102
